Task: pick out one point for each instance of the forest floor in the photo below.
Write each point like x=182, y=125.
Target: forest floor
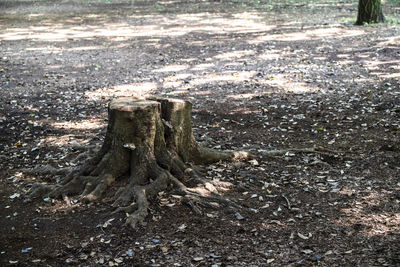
x=261, y=75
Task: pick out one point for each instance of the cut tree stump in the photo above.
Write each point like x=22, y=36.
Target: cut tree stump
x=149, y=145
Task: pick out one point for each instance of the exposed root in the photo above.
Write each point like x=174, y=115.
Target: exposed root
x=142, y=208
x=124, y=198
x=205, y=195
x=94, y=191
x=149, y=146
x=46, y=170
x=127, y=209
x=142, y=194
x=198, y=200
x=39, y=190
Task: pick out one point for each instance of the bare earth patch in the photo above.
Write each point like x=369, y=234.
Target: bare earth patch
x=261, y=76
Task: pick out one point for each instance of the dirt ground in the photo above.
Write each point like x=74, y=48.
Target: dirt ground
x=262, y=75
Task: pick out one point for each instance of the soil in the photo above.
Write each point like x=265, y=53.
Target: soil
x=262, y=75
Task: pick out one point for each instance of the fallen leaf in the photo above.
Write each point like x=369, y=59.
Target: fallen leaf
x=118, y=260
x=108, y=222
x=303, y=236
x=25, y=250
x=238, y=216
x=329, y=252
x=182, y=227
x=15, y=195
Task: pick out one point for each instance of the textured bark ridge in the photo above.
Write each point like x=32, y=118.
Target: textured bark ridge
x=149, y=145
x=369, y=11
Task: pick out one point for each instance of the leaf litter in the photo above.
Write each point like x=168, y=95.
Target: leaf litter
x=334, y=208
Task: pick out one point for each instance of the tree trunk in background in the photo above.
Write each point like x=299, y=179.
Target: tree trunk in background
x=369, y=11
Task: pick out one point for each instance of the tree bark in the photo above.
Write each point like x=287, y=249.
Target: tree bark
x=369, y=11
x=148, y=146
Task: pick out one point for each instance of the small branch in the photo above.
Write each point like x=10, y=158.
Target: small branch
x=287, y=201
x=208, y=155
x=281, y=152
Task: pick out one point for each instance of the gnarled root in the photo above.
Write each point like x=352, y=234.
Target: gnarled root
x=203, y=196
x=147, y=148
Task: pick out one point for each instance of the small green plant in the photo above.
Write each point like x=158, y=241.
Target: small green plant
x=393, y=2
x=393, y=20
x=348, y=20
x=159, y=7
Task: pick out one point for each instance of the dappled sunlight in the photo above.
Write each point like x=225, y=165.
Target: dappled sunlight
x=235, y=77
x=241, y=96
x=61, y=141
x=238, y=23
x=135, y=89
x=172, y=84
x=235, y=54
x=185, y=76
x=393, y=41
x=388, y=75
x=271, y=55
x=58, y=33
x=203, y=66
x=377, y=224
x=392, y=66
x=361, y=212
x=92, y=124
x=46, y=50
x=280, y=81
x=376, y=64
x=310, y=34
x=175, y=81
x=234, y=65
x=202, y=93
x=181, y=76
x=171, y=68
x=123, y=31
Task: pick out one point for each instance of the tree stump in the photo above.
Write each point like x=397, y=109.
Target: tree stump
x=148, y=146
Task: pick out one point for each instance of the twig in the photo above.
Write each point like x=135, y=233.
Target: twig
x=281, y=152
x=287, y=201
